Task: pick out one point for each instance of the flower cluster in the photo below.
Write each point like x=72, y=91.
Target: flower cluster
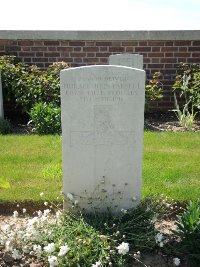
x=67, y=239
x=39, y=237
x=123, y=248
x=161, y=239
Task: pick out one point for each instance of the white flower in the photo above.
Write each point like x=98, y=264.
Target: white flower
x=58, y=214
x=76, y=202
x=176, y=261
x=70, y=196
x=159, y=237
x=123, y=248
x=137, y=255
x=46, y=212
x=97, y=264
x=8, y=245
x=16, y=254
x=46, y=203
x=15, y=214
x=38, y=250
x=41, y=194
x=7, y=228
x=32, y=221
x=25, y=249
x=161, y=244
x=39, y=212
x=24, y=210
x=52, y=261
x=49, y=248
x=63, y=250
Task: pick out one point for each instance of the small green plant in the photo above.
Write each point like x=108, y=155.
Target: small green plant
x=5, y=126
x=135, y=226
x=45, y=118
x=153, y=89
x=186, y=118
x=187, y=84
x=52, y=172
x=188, y=233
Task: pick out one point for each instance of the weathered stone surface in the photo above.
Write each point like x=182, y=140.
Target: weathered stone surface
x=102, y=130
x=129, y=60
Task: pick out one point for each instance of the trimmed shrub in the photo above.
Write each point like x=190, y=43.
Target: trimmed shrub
x=24, y=85
x=45, y=118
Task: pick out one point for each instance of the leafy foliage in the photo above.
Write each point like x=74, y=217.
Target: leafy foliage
x=135, y=226
x=188, y=232
x=187, y=84
x=25, y=85
x=153, y=89
x=87, y=245
x=45, y=118
x=185, y=117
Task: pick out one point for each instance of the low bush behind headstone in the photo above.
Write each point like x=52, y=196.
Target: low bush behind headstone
x=24, y=86
x=45, y=118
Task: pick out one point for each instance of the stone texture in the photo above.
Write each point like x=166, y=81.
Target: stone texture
x=129, y=60
x=102, y=130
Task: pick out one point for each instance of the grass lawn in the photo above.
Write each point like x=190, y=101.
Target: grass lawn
x=172, y=165
x=32, y=164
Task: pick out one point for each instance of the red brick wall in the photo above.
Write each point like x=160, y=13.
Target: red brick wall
x=160, y=55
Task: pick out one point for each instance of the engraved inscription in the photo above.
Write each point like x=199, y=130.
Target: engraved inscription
x=101, y=89
x=94, y=138
x=104, y=132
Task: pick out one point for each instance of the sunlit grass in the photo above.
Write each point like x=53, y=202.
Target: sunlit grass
x=172, y=165
x=32, y=164
x=27, y=162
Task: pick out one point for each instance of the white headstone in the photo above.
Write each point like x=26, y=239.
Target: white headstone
x=129, y=60
x=1, y=100
x=102, y=129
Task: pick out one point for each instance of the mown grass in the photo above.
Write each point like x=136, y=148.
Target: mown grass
x=32, y=164
x=172, y=165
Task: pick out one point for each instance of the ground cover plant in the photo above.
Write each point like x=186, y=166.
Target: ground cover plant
x=100, y=240
x=33, y=163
